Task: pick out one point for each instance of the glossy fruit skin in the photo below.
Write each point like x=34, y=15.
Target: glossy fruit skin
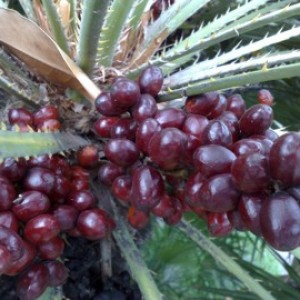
x=87, y=157
x=41, y=228
x=147, y=188
x=165, y=207
x=7, y=193
x=285, y=159
x=236, y=104
x=66, y=216
x=170, y=117
x=125, y=93
x=121, y=152
x=51, y=125
x=136, y=218
x=251, y=172
x=195, y=125
x=30, y=204
x=82, y=200
x=202, y=104
x=39, y=179
x=213, y=159
x=167, y=148
x=58, y=273
x=219, y=107
x=280, y=221
x=109, y=172
x=145, y=108
x=192, y=189
x=12, y=169
x=256, y=119
x=93, y=224
x=217, y=132
x=121, y=187
x=5, y=259
x=9, y=220
x=247, y=146
x=102, y=127
x=51, y=249
x=218, y=224
x=231, y=120
x=124, y=129
x=236, y=220
x=151, y=80
x=33, y=282
x=45, y=113
x=265, y=97
x=249, y=208
x=219, y=194
x=106, y=106
x=13, y=243
x=20, y=116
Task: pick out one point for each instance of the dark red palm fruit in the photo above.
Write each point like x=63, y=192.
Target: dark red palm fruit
x=78, y=184
x=93, y=224
x=74, y=232
x=217, y=132
x=136, y=218
x=195, y=125
x=270, y=135
x=5, y=260
x=13, y=242
x=249, y=208
x=285, y=159
x=51, y=249
x=236, y=104
x=267, y=144
x=82, y=200
x=42, y=161
x=170, y=117
x=213, y=159
x=33, y=282
x=192, y=144
x=144, y=132
x=41, y=228
x=87, y=157
x=231, y=120
x=251, y=172
x=46, y=113
x=164, y=208
x=20, y=116
x=105, y=106
x=109, y=172
x=61, y=189
x=151, y=80
x=58, y=273
x=218, y=224
x=60, y=166
x=66, y=215
x=26, y=259
x=30, y=204
x=202, y=104
x=167, y=148
x=147, y=188
x=39, y=179
x=192, y=189
x=236, y=220
x=177, y=212
x=51, y=125
x=247, y=146
x=9, y=220
x=125, y=93
x=255, y=120
x=78, y=172
x=121, y=188
x=265, y=97
x=7, y=194
x=121, y=152
x=102, y=126
x=135, y=166
x=219, y=194
x=124, y=129
x=280, y=221
x=12, y=169
x=145, y=108
x=219, y=108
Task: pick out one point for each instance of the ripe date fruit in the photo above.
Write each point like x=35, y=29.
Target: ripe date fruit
x=46, y=113
x=280, y=221
x=93, y=224
x=51, y=249
x=121, y=187
x=165, y=207
x=124, y=129
x=247, y=146
x=147, y=188
x=219, y=107
x=9, y=220
x=195, y=125
x=151, y=80
x=125, y=93
x=170, y=117
x=136, y=218
x=219, y=194
x=33, y=282
x=109, y=172
x=202, y=104
x=251, y=172
x=102, y=127
x=5, y=259
x=265, y=97
x=145, y=108
x=7, y=193
x=87, y=157
x=39, y=179
x=49, y=125
x=167, y=148
x=192, y=189
x=20, y=116
x=236, y=104
x=66, y=216
x=236, y=220
x=30, y=204
x=58, y=273
x=105, y=106
x=285, y=159
x=121, y=152
x=41, y=228
x=218, y=224
x=217, y=132
x=82, y=200
x=12, y=169
x=213, y=159
x=255, y=120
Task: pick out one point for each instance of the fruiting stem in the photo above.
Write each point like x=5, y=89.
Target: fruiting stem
x=194, y=234
x=106, y=268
